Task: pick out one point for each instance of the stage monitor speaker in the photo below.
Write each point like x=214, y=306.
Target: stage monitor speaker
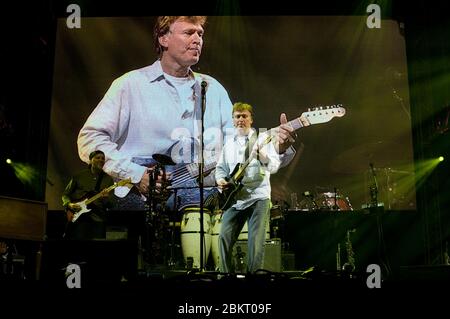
x=272, y=255
x=116, y=233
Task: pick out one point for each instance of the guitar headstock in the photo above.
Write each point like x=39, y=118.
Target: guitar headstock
x=323, y=114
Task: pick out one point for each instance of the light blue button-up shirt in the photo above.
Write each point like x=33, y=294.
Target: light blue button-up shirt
x=142, y=114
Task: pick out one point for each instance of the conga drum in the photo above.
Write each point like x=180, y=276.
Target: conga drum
x=190, y=235
x=244, y=232
x=216, y=221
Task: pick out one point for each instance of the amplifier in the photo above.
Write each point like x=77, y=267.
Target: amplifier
x=116, y=233
x=272, y=256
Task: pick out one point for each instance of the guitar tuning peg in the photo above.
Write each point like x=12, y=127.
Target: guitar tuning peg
x=309, y=109
x=321, y=108
x=327, y=107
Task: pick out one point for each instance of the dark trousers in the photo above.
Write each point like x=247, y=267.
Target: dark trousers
x=233, y=221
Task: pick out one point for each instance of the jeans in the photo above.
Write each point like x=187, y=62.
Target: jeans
x=233, y=221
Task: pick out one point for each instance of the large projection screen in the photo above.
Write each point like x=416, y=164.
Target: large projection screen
x=278, y=64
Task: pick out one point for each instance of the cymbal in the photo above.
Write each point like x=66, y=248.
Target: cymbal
x=381, y=154
x=163, y=159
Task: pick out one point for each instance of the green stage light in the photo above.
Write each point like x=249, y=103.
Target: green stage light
x=26, y=173
x=441, y=158
x=8, y=161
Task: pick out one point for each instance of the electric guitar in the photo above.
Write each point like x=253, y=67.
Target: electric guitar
x=83, y=204
x=317, y=116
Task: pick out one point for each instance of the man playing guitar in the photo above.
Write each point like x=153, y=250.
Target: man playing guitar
x=252, y=202
x=82, y=185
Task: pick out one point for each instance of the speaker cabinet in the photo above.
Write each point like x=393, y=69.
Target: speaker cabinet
x=272, y=255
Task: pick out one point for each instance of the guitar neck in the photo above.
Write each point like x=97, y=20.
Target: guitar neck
x=295, y=124
x=194, y=170
x=97, y=196
x=250, y=158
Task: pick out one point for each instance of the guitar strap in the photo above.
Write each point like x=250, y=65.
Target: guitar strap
x=249, y=145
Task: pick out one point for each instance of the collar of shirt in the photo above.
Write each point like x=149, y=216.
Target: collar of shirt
x=156, y=73
x=248, y=136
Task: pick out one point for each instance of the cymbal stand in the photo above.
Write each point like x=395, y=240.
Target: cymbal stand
x=335, y=205
x=149, y=218
x=171, y=260
x=153, y=223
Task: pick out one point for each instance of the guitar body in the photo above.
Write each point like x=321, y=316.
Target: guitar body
x=235, y=187
x=229, y=195
x=84, y=209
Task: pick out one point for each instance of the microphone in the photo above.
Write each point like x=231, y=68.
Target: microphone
x=204, y=84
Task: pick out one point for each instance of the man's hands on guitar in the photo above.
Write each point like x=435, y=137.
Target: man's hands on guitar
x=223, y=184
x=286, y=134
x=73, y=207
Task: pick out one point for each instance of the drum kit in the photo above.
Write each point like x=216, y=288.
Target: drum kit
x=326, y=201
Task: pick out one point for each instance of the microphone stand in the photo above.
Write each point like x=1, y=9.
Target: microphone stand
x=200, y=176
x=154, y=243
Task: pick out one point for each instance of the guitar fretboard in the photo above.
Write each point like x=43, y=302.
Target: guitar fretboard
x=296, y=124
x=97, y=196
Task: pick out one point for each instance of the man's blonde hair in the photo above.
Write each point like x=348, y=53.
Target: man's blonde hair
x=163, y=24
x=240, y=107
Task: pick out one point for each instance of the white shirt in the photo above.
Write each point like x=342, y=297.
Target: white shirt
x=143, y=113
x=256, y=179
